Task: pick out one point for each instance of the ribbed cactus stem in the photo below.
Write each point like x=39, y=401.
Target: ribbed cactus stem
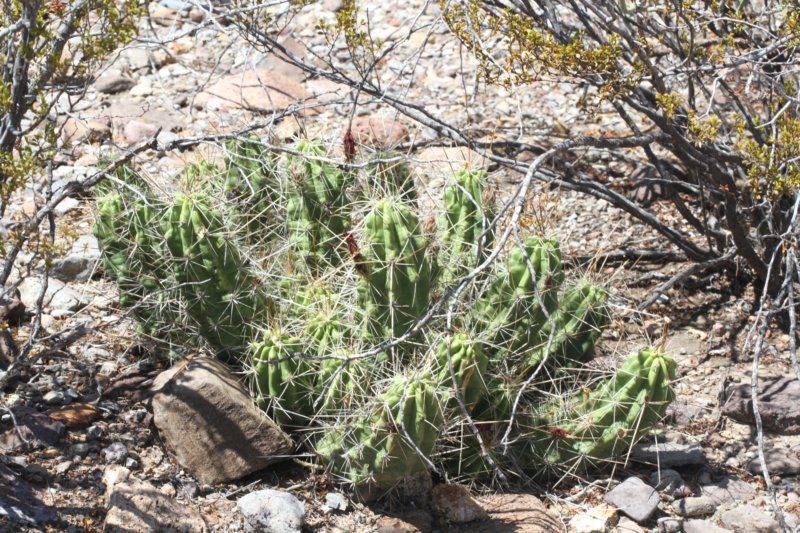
x=216, y=281
x=522, y=295
x=283, y=379
x=319, y=209
x=464, y=225
x=604, y=422
x=384, y=445
x=396, y=283
x=569, y=338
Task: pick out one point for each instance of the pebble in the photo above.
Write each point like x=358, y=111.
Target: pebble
x=748, y=519
x=635, y=498
x=271, y=510
x=695, y=506
x=54, y=397
x=79, y=449
x=336, y=501
x=667, y=524
x=596, y=520
x=113, y=83
x=702, y=526
x=115, y=453
x=668, y=481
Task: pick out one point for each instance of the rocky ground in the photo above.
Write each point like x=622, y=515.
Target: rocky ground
x=79, y=449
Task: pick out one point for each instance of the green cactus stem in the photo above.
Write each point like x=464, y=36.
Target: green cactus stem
x=375, y=449
x=395, y=288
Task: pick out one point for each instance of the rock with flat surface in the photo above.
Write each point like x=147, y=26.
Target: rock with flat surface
x=634, y=498
x=113, y=83
x=695, y=506
x=668, y=454
x=778, y=398
x=729, y=490
x=521, y=513
x=748, y=519
x=135, y=505
x=271, y=510
x=209, y=424
x=703, y=526
x=255, y=89
x=456, y=503
x=780, y=462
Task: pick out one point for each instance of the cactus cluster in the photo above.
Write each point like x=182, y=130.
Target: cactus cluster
x=312, y=278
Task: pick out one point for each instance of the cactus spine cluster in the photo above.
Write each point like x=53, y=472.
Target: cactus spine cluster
x=300, y=298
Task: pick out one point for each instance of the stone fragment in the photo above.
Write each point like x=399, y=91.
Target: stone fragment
x=58, y=296
x=336, y=501
x=54, y=397
x=378, y=132
x=208, y=422
x=456, y=504
x=115, y=453
x=635, y=498
x=271, y=510
x=596, y=520
x=695, y=506
x=702, y=526
x=667, y=481
x=113, y=83
x=137, y=131
x=393, y=524
x=780, y=462
x=668, y=454
x=254, y=89
x=729, y=490
x=34, y=430
x=626, y=525
x=521, y=513
x=77, y=130
x=135, y=505
x=778, y=398
x=667, y=524
x=749, y=519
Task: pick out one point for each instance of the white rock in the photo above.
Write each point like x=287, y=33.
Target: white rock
x=271, y=510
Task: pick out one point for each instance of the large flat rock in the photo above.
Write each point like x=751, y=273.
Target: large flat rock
x=209, y=424
x=778, y=401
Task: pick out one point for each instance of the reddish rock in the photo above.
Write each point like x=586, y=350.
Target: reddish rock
x=257, y=89
x=520, y=513
x=165, y=16
x=778, y=398
x=455, y=502
x=378, y=132
x=75, y=415
x=136, y=131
